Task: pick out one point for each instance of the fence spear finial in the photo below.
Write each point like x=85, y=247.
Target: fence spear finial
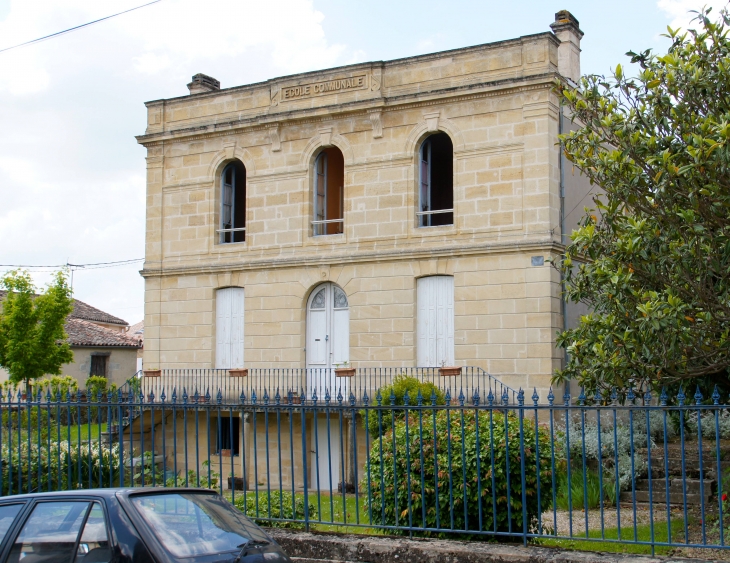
x=598, y=397
x=681, y=397
x=663, y=397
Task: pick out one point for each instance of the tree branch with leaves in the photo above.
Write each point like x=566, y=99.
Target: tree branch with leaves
x=652, y=260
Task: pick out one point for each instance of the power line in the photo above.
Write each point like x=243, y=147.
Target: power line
x=91, y=265
x=77, y=27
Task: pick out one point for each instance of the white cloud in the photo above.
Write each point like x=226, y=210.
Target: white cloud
x=71, y=174
x=151, y=63
x=680, y=10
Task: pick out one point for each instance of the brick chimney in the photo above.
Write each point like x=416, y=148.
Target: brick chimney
x=203, y=83
x=567, y=30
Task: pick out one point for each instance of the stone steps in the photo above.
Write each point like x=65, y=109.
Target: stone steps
x=692, y=488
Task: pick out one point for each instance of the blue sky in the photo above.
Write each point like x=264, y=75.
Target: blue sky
x=71, y=173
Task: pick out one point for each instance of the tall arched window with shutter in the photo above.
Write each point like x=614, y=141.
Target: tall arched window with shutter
x=436, y=181
x=233, y=204
x=329, y=200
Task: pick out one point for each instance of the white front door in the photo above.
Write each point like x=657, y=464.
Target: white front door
x=435, y=321
x=229, y=328
x=328, y=340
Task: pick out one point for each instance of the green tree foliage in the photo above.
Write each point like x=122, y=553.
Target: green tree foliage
x=652, y=260
x=455, y=470
x=32, y=338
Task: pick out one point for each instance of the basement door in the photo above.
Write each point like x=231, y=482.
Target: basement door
x=435, y=321
x=326, y=453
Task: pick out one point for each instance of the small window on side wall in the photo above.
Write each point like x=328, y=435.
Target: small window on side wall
x=98, y=365
x=329, y=181
x=233, y=204
x=436, y=185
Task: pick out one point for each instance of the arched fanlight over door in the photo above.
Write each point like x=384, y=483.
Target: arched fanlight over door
x=328, y=327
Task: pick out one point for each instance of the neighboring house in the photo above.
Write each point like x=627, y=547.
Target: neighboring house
x=100, y=345
x=137, y=331
x=382, y=214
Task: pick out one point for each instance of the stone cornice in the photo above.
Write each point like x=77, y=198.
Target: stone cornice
x=263, y=122
x=544, y=244
x=313, y=75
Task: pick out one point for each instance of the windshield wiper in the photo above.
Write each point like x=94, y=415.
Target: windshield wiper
x=250, y=544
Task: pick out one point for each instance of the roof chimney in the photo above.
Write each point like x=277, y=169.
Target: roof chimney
x=567, y=30
x=203, y=83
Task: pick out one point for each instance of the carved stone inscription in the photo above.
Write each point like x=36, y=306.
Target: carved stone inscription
x=326, y=87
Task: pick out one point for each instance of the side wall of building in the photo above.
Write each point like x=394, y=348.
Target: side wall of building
x=121, y=365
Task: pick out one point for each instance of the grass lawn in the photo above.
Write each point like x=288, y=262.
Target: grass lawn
x=90, y=430
x=643, y=533
x=331, y=511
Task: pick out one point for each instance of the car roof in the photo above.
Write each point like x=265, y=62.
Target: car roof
x=108, y=493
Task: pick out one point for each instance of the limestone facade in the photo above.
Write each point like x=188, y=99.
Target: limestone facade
x=494, y=101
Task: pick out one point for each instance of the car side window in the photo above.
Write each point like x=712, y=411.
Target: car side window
x=8, y=512
x=50, y=532
x=94, y=545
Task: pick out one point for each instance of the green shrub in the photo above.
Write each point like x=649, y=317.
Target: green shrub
x=376, y=419
x=274, y=505
x=206, y=479
x=453, y=461
x=579, y=493
x=31, y=421
x=95, y=384
x=57, y=467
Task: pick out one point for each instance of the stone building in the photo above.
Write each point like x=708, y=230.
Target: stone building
x=396, y=213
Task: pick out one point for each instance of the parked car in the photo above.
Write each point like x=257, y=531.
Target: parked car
x=148, y=525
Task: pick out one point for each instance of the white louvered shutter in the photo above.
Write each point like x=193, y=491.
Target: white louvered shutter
x=435, y=321
x=229, y=328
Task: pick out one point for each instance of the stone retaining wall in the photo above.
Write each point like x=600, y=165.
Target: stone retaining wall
x=305, y=547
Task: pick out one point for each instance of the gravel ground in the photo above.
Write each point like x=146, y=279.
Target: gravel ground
x=610, y=519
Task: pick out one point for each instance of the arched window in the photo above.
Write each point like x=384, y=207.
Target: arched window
x=233, y=203
x=329, y=181
x=436, y=186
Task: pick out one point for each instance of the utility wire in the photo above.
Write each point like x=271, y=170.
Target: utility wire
x=77, y=27
x=91, y=265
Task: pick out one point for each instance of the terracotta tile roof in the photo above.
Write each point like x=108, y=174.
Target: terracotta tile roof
x=86, y=333
x=87, y=312
x=136, y=330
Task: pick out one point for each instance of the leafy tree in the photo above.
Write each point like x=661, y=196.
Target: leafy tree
x=32, y=337
x=652, y=260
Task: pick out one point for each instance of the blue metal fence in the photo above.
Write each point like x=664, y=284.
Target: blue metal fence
x=620, y=469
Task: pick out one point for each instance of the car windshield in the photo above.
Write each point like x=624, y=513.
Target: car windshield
x=193, y=524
